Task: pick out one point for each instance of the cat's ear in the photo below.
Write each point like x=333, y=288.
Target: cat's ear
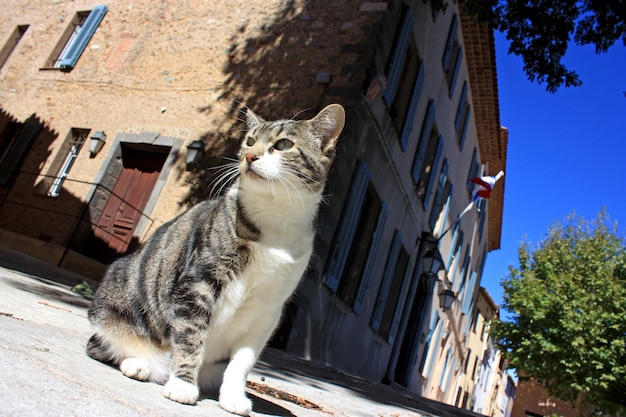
x=328, y=124
x=252, y=119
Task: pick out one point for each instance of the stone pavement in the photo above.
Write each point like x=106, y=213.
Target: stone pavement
x=44, y=370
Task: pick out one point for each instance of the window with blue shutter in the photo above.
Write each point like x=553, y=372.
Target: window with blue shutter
x=424, y=139
x=463, y=113
x=469, y=294
x=347, y=227
x=390, y=291
x=473, y=171
x=447, y=52
x=410, y=113
x=78, y=35
x=433, y=347
x=452, y=55
x=395, y=66
x=371, y=259
x=430, y=173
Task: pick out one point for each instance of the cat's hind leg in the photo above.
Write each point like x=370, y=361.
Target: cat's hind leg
x=137, y=357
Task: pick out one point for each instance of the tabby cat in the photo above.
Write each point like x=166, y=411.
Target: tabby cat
x=196, y=304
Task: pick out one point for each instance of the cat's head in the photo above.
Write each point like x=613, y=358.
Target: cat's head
x=294, y=155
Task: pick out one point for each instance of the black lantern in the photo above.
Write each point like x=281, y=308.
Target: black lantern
x=96, y=142
x=431, y=262
x=446, y=299
x=195, y=152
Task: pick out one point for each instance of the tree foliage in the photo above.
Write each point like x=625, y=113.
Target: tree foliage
x=567, y=305
x=540, y=32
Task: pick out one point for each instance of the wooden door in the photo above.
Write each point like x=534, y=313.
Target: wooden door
x=124, y=208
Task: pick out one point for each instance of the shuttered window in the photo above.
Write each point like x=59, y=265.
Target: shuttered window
x=347, y=227
x=76, y=37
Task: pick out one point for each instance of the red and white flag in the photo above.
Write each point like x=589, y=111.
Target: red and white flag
x=484, y=185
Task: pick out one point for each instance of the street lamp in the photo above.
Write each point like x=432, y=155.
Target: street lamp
x=96, y=142
x=432, y=263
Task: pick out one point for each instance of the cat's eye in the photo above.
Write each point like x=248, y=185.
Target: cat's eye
x=251, y=141
x=283, y=145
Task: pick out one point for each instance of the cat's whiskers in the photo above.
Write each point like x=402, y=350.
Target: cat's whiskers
x=302, y=177
x=226, y=174
x=284, y=181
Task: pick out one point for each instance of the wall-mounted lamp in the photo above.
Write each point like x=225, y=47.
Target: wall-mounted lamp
x=432, y=264
x=96, y=142
x=195, y=152
x=446, y=299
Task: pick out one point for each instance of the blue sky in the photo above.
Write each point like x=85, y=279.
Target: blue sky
x=567, y=151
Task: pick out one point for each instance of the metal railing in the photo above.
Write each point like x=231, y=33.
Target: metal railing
x=29, y=194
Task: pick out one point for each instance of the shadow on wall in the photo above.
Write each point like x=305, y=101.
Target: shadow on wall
x=38, y=215
x=287, y=65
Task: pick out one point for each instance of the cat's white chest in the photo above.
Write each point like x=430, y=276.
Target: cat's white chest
x=251, y=305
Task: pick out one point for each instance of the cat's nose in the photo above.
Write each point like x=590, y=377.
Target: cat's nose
x=251, y=158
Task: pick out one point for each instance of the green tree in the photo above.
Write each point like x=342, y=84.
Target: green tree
x=540, y=31
x=567, y=312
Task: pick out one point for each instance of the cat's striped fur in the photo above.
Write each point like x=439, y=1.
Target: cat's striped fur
x=195, y=305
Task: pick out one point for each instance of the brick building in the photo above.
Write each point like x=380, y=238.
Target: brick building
x=147, y=80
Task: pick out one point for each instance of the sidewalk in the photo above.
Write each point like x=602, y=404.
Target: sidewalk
x=45, y=371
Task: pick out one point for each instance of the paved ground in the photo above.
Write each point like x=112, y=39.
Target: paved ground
x=45, y=372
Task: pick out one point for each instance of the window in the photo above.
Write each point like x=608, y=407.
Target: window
x=62, y=164
x=431, y=346
x=405, y=78
x=463, y=112
x=11, y=43
x=385, y=317
x=16, y=140
x=474, y=171
x=357, y=241
x=469, y=293
x=441, y=204
x=75, y=38
x=429, y=151
x=452, y=55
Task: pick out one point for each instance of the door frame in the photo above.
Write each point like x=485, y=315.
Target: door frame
x=138, y=141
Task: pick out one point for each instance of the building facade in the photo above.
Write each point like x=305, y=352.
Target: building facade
x=147, y=80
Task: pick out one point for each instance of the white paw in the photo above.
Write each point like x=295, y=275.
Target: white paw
x=181, y=391
x=135, y=368
x=236, y=403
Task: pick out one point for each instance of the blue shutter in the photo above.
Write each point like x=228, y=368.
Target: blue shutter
x=455, y=237
x=459, y=108
x=432, y=176
x=397, y=316
x=457, y=68
x=417, y=90
x=69, y=59
x=468, y=112
x=347, y=228
x=472, y=171
x=385, y=285
x=18, y=151
x=450, y=372
x=469, y=294
x=371, y=258
x=446, y=210
x=438, y=203
x=427, y=127
x=445, y=60
x=399, y=56
x=457, y=256
x=434, y=345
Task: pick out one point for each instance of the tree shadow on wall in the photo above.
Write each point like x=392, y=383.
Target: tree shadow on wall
x=286, y=62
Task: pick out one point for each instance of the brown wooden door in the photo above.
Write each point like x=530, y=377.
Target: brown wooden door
x=124, y=208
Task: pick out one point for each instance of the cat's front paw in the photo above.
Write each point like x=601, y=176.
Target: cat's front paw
x=236, y=403
x=181, y=391
x=135, y=368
